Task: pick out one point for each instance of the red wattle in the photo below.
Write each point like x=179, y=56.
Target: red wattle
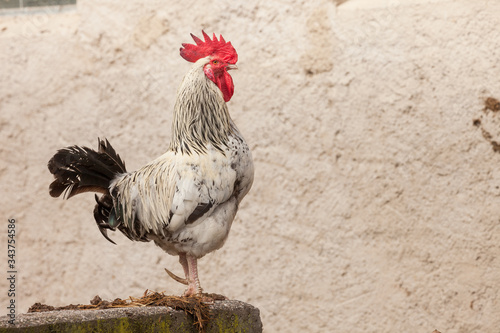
x=225, y=84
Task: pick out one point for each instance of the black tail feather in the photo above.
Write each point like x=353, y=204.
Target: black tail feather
x=101, y=215
x=106, y=148
x=81, y=169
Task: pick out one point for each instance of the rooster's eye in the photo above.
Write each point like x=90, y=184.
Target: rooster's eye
x=215, y=62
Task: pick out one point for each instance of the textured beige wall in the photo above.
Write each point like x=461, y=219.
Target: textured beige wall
x=376, y=201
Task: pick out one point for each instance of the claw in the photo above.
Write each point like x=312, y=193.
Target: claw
x=176, y=278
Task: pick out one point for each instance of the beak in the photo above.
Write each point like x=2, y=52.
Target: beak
x=231, y=66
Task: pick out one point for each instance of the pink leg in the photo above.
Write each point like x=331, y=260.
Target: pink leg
x=189, y=264
x=184, y=263
x=194, y=286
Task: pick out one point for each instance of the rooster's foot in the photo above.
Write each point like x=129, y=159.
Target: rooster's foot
x=192, y=290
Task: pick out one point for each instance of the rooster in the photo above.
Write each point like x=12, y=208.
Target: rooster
x=186, y=199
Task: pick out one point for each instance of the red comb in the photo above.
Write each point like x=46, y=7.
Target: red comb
x=202, y=49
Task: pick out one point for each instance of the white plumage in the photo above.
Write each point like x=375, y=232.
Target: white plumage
x=185, y=200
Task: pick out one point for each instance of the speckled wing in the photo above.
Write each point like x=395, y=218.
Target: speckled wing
x=203, y=183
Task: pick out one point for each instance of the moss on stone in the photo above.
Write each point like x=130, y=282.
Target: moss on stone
x=227, y=317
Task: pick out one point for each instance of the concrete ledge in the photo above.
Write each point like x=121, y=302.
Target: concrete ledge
x=226, y=316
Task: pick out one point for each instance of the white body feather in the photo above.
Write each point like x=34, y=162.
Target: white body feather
x=185, y=200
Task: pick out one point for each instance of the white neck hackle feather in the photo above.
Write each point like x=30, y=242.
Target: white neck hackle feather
x=201, y=116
